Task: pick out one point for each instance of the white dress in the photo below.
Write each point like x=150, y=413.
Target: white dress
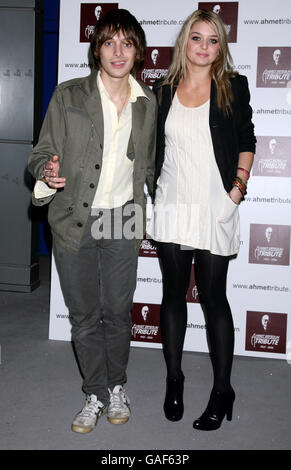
x=191, y=206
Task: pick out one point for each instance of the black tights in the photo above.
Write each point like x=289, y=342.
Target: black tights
x=210, y=276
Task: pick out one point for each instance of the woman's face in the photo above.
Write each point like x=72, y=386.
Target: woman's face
x=202, y=46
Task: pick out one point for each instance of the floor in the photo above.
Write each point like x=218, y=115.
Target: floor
x=41, y=391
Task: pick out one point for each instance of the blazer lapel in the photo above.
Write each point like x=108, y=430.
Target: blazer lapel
x=213, y=106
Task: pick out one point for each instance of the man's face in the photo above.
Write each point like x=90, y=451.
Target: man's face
x=155, y=54
x=98, y=12
x=268, y=233
x=276, y=56
x=117, y=56
x=144, y=312
x=272, y=145
x=265, y=321
x=216, y=9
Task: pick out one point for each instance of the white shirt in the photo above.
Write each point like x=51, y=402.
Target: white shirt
x=115, y=185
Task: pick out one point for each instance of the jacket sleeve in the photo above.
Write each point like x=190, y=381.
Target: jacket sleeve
x=51, y=141
x=245, y=126
x=152, y=154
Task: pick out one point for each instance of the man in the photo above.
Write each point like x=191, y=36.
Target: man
x=95, y=152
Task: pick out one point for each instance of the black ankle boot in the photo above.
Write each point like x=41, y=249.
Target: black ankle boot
x=219, y=405
x=174, y=406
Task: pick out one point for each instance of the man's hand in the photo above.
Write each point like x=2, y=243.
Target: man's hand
x=51, y=173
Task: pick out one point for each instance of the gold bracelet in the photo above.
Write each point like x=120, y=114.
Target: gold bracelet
x=240, y=181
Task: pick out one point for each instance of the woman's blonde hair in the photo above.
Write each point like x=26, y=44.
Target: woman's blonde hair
x=222, y=68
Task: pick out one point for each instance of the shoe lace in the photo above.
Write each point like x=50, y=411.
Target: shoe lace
x=116, y=400
x=90, y=408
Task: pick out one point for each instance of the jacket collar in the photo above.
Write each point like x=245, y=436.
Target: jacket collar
x=89, y=84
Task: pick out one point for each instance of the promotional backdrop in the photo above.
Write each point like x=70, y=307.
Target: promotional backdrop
x=259, y=279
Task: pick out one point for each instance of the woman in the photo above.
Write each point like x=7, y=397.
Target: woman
x=205, y=149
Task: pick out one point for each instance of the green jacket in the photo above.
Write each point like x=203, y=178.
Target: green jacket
x=73, y=130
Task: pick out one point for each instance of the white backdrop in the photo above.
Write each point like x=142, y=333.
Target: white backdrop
x=259, y=280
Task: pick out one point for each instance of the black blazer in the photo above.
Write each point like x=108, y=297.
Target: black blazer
x=230, y=134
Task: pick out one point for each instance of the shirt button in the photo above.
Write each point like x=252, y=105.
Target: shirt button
x=97, y=167
x=80, y=224
x=85, y=204
x=92, y=185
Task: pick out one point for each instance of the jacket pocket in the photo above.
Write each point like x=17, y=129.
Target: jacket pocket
x=229, y=209
x=161, y=192
x=80, y=112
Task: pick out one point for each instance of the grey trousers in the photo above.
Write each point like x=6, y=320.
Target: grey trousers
x=98, y=285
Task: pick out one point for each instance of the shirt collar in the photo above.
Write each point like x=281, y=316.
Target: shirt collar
x=136, y=90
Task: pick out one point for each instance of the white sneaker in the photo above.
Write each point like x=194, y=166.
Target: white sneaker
x=119, y=406
x=86, y=420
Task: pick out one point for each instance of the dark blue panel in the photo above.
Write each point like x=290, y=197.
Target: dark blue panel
x=50, y=53
x=51, y=15
x=50, y=68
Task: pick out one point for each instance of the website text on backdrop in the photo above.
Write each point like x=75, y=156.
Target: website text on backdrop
x=205, y=150
x=95, y=152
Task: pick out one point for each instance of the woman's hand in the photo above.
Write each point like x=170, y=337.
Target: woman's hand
x=235, y=195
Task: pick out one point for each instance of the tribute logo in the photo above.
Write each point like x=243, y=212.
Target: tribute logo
x=266, y=332
x=146, y=323
x=90, y=14
x=272, y=156
x=229, y=15
x=192, y=293
x=274, y=67
x=269, y=244
x=147, y=249
x=156, y=64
